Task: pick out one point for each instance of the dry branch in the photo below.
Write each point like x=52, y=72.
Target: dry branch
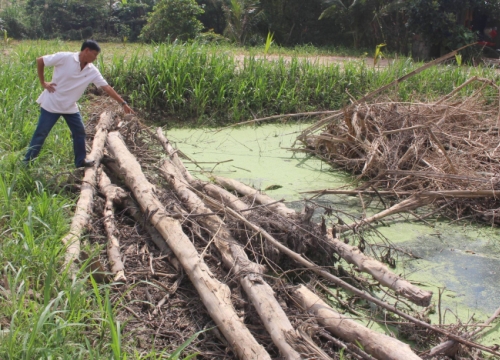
x=407, y=149
x=450, y=347
x=113, y=195
x=378, y=345
x=85, y=202
x=405, y=205
x=214, y=295
x=380, y=272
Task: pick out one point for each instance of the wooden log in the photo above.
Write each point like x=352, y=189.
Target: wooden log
x=133, y=209
x=251, y=192
x=156, y=237
x=113, y=194
x=380, y=272
x=236, y=260
x=173, y=154
x=378, y=345
x=85, y=203
x=337, y=281
x=215, y=296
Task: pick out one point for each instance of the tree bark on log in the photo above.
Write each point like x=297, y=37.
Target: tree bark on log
x=235, y=259
x=251, y=192
x=378, y=345
x=380, y=272
x=113, y=195
x=214, y=295
x=85, y=202
x=132, y=208
x=172, y=153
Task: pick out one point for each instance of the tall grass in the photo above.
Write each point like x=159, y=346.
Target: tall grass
x=43, y=313
x=201, y=82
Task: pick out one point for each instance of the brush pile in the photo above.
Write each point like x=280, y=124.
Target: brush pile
x=445, y=153
x=231, y=272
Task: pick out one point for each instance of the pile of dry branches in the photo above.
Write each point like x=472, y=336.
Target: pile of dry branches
x=186, y=255
x=445, y=153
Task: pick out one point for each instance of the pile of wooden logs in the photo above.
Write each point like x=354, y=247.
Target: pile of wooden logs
x=198, y=225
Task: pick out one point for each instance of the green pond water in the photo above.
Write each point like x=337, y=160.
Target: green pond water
x=462, y=258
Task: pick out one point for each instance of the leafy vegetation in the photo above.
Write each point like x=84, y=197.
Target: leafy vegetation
x=210, y=86
x=348, y=23
x=173, y=19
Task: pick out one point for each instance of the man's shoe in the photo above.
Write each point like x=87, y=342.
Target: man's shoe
x=88, y=163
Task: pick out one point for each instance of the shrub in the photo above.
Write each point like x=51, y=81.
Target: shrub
x=173, y=19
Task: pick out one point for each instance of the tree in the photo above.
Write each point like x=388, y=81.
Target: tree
x=173, y=19
x=241, y=17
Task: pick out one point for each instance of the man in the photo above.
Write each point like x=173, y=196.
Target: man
x=73, y=72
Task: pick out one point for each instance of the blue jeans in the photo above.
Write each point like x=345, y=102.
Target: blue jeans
x=46, y=122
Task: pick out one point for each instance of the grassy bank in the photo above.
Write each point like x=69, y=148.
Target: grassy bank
x=43, y=312
x=210, y=86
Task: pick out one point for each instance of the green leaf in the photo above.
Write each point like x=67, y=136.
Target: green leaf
x=177, y=352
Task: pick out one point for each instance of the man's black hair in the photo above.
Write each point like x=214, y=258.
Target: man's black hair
x=92, y=45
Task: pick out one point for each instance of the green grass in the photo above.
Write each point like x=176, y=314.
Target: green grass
x=207, y=85
x=45, y=314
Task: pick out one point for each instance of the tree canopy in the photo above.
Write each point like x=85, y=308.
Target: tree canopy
x=446, y=24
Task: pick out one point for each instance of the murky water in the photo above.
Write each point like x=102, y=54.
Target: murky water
x=463, y=259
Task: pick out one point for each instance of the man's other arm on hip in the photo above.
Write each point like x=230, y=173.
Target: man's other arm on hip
x=40, y=65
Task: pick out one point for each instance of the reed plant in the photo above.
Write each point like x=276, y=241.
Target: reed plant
x=202, y=83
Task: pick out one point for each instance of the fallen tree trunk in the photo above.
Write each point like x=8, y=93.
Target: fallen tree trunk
x=380, y=272
x=85, y=202
x=113, y=194
x=252, y=193
x=215, y=295
x=234, y=257
x=378, y=345
x=130, y=205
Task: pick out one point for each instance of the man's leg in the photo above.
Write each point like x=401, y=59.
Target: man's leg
x=77, y=128
x=46, y=122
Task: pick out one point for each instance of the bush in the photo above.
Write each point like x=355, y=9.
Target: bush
x=13, y=21
x=173, y=19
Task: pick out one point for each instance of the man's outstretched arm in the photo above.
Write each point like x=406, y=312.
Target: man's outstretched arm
x=111, y=92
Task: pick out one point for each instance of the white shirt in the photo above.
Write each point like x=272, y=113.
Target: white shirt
x=71, y=82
